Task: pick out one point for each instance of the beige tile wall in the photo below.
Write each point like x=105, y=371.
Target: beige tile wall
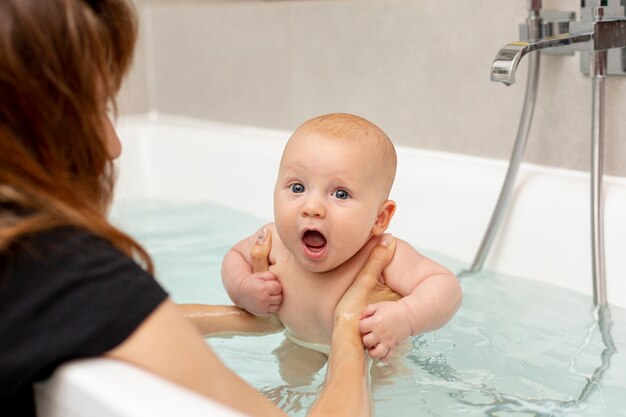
x=419, y=69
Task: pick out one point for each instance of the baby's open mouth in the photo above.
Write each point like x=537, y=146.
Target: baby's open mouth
x=314, y=241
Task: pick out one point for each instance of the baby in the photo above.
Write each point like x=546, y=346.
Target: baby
x=331, y=208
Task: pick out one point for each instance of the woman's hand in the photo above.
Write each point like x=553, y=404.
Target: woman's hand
x=367, y=291
x=260, y=292
x=213, y=320
x=367, y=288
x=346, y=392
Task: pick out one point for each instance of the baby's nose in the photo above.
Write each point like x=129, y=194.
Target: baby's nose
x=313, y=207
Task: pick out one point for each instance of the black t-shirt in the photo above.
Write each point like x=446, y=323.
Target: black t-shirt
x=64, y=294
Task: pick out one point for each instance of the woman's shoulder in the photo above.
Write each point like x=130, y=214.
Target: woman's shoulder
x=66, y=255
x=60, y=243
x=67, y=268
x=67, y=293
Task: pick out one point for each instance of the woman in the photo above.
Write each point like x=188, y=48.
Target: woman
x=71, y=284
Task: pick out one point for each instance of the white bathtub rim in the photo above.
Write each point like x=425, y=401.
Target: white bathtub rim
x=108, y=387
x=158, y=119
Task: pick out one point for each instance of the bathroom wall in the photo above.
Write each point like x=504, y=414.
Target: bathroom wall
x=418, y=68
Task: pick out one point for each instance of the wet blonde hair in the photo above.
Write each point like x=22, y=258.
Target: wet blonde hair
x=345, y=126
x=61, y=62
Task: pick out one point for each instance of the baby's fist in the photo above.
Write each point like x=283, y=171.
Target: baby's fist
x=261, y=293
x=383, y=327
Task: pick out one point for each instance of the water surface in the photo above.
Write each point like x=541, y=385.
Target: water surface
x=516, y=347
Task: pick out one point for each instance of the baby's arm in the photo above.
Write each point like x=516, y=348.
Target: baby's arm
x=431, y=295
x=258, y=292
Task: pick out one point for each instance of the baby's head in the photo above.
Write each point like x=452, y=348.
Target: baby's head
x=332, y=191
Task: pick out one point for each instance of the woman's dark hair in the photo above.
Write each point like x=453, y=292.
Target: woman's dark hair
x=61, y=63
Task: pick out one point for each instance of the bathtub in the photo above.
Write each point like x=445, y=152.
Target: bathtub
x=444, y=200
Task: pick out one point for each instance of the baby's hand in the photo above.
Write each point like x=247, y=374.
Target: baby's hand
x=384, y=326
x=260, y=293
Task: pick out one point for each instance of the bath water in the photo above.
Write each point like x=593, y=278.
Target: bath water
x=515, y=348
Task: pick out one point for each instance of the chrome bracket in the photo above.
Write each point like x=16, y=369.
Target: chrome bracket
x=606, y=10
x=553, y=23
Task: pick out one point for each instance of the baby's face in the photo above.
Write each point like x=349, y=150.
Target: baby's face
x=326, y=200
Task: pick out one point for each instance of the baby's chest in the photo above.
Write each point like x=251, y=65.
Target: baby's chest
x=309, y=299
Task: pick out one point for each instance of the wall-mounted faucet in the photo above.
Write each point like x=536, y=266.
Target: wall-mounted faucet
x=603, y=28
x=600, y=36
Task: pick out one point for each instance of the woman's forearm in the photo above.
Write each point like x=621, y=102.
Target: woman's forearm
x=346, y=390
x=167, y=345
x=223, y=319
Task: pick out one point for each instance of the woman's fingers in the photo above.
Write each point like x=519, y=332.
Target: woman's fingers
x=366, y=288
x=377, y=261
x=260, y=251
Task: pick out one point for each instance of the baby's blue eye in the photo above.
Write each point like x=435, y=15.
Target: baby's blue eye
x=297, y=188
x=342, y=194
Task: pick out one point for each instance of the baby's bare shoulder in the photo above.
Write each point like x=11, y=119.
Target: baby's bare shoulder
x=404, y=253
x=409, y=268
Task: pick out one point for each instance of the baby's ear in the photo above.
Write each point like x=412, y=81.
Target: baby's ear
x=385, y=213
